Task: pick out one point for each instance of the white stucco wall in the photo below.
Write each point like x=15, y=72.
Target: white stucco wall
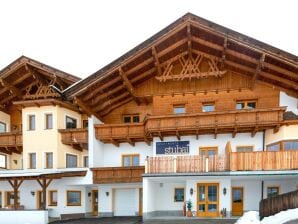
x=241, y=139
x=21, y=217
x=289, y=101
x=285, y=186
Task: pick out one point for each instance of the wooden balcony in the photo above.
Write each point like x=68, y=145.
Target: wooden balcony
x=118, y=133
x=214, y=122
x=77, y=138
x=11, y=142
x=191, y=124
x=234, y=161
x=109, y=175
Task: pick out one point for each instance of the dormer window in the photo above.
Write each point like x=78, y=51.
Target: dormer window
x=179, y=109
x=131, y=118
x=246, y=105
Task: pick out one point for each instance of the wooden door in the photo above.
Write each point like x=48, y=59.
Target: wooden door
x=140, y=201
x=207, y=200
x=237, y=201
x=95, y=202
x=39, y=199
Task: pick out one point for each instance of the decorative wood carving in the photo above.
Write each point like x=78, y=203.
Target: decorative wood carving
x=191, y=68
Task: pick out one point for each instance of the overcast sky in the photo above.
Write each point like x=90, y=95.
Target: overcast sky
x=80, y=37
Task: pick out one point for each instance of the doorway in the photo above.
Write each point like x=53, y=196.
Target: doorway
x=95, y=202
x=237, y=201
x=39, y=199
x=207, y=199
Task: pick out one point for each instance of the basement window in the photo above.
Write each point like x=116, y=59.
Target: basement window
x=272, y=192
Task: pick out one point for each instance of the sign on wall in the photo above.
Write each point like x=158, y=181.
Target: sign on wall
x=172, y=148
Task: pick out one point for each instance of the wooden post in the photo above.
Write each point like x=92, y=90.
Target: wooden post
x=175, y=164
x=15, y=185
x=44, y=185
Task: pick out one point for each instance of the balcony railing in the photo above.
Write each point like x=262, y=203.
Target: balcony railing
x=118, y=174
x=234, y=161
x=78, y=137
x=191, y=124
x=11, y=142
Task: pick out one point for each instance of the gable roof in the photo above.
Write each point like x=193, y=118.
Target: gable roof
x=282, y=60
x=25, y=74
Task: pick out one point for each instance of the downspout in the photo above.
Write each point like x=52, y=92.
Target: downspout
x=262, y=187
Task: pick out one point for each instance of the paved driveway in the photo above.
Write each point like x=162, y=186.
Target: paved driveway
x=138, y=220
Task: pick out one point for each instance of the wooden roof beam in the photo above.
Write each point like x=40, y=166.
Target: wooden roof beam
x=11, y=87
x=223, y=56
x=108, y=110
x=156, y=61
x=259, y=68
x=189, y=41
x=129, y=86
x=109, y=102
x=89, y=111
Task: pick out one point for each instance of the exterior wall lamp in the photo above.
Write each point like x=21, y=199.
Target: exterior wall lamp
x=89, y=194
x=32, y=193
x=224, y=191
x=191, y=191
x=107, y=193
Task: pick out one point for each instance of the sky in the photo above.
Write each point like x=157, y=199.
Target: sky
x=82, y=36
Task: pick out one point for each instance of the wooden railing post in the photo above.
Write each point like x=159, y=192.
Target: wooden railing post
x=147, y=165
x=207, y=164
x=175, y=165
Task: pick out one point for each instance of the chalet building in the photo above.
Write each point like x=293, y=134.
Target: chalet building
x=197, y=112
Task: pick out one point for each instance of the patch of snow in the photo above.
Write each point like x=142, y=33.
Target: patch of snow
x=252, y=217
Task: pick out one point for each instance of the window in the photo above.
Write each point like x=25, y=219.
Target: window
x=179, y=195
x=130, y=160
x=32, y=160
x=49, y=121
x=85, y=123
x=86, y=161
x=3, y=161
x=272, y=191
x=208, y=107
x=9, y=198
x=49, y=160
x=209, y=151
x=0, y=199
x=71, y=161
x=31, y=121
x=2, y=127
x=290, y=145
x=273, y=147
x=179, y=109
x=132, y=118
x=53, y=198
x=71, y=122
x=246, y=105
x=244, y=148
x=73, y=198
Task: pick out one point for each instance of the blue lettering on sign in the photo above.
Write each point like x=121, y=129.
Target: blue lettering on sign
x=172, y=148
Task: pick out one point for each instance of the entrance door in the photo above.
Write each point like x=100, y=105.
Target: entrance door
x=39, y=199
x=237, y=201
x=208, y=200
x=95, y=202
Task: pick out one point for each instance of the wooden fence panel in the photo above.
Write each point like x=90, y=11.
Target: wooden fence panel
x=271, y=206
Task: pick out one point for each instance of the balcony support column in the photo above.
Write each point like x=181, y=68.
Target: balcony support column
x=15, y=185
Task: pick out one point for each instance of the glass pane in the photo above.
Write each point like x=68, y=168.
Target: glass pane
x=211, y=152
x=179, y=110
x=136, y=119
x=127, y=119
x=240, y=106
x=2, y=161
x=272, y=191
x=71, y=123
x=179, y=195
x=49, y=160
x=31, y=122
x=202, y=208
x=126, y=161
x=54, y=197
x=208, y=108
x=212, y=193
x=202, y=193
x=237, y=196
x=244, y=149
x=291, y=145
x=86, y=161
x=273, y=148
x=33, y=160
x=71, y=161
x=251, y=105
x=212, y=208
x=73, y=197
x=49, y=121
x=135, y=161
x=203, y=152
x=2, y=127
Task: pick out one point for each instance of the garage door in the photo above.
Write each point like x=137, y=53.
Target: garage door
x=125, y=202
